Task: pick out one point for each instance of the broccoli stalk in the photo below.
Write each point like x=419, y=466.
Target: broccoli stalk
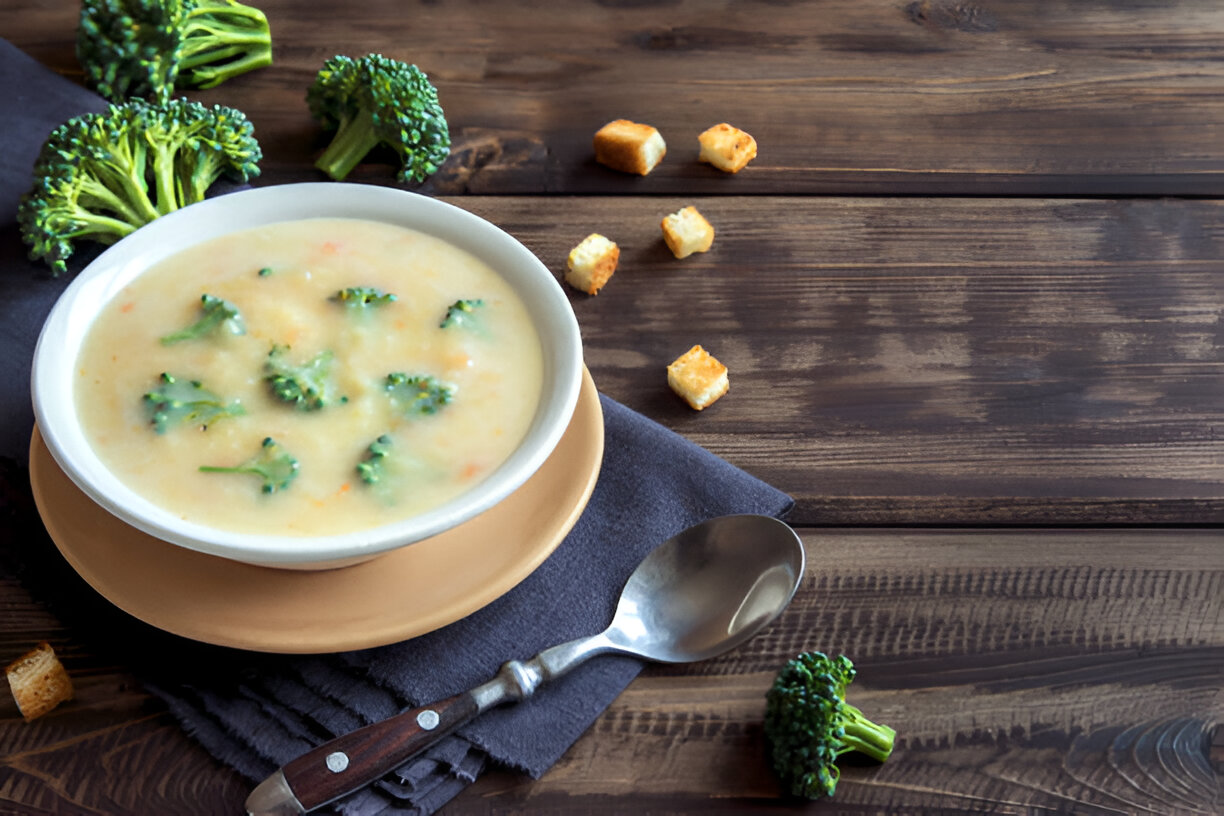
x=216, y=313
x=222, y=39
x=177, y=401
x=91, y=178
x=143, y=48
x=274, y=465
x=354, y=139
x=376, y=100
x=306, y=386
x=809, y=724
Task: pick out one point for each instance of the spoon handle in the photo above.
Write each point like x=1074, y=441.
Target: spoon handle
x=348, y=762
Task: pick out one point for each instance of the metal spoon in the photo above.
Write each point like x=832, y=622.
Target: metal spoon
x=697, y=595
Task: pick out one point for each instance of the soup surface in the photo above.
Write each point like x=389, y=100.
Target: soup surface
x=410, y=413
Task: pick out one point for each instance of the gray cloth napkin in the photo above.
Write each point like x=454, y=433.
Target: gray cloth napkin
x=256, y=712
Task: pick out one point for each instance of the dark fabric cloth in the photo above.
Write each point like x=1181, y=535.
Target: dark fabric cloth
x=34, y=102
x=256, y=712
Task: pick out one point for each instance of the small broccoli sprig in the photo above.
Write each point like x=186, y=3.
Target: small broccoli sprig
x=809, y=724
x=459, y=313
x=217, y=313
x=273, y=464
x=144, y=48
x=376, y=100
x=306, y=386
x=360, y=297
x=178, y=401
x=373, y=466
x=100, y=176
x=418, y=394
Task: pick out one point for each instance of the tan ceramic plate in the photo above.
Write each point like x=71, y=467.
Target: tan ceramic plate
x=392, y=597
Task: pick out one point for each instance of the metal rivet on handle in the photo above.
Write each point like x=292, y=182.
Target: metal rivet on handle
x=337, y=761
x=428, y=719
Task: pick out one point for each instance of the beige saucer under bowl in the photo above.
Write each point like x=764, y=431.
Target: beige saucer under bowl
x=402, y=594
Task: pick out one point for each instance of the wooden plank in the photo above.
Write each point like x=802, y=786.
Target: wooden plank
x=1000, y=97
x=1024, y=671
x=899, y=361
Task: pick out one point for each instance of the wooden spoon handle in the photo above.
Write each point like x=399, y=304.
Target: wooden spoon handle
x=357, y=758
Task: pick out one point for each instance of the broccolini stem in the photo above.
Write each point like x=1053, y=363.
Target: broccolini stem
x=106, y=198
x=210, y=34
x=247, y=16
x=211, y=76
x=205, y=169
x=119, y=179
x=102, y=228
x=861, y=734
x=168, y=191
x=219, y=31
x=205, y=51
x=355, y=138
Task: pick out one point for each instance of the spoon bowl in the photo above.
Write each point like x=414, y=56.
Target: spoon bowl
x=708, y=589
x=699, y=594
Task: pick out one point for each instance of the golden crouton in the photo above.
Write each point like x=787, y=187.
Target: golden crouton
x=38, y=681
x=629, y=146
x=686, y=232
x=698, y=377
x=727, y=147
x=591, y=263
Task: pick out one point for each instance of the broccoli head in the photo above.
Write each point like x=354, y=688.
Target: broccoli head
x=376, y=100
x=361, y=297
x=306, y=386
x=100, y=176
x=275, y=466
x=417, y=394
x=176, y=401
x=215, y=312
x=372, y=467
x=809, y=724
x=144, y=48
x=459, y=313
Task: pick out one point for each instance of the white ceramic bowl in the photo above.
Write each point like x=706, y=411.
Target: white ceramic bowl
x=52, y=380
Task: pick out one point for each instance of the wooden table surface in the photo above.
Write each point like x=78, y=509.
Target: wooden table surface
x=970, y=294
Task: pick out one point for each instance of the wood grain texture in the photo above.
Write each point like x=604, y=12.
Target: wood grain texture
x=1046, y=97
x=924, y=361
x=928, y=351
x=372, y=751
x=1055, y=671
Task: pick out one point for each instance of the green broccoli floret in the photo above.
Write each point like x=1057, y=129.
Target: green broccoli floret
x=372, y=468
x=177, y=401
x=375, y=100
x=144, y=48
x=418, y=394
x=307, y=386
x=809, y=724
x=273, y=464
x=363, y=296
x=216, y=313
x=100, y=176
x=459, y=313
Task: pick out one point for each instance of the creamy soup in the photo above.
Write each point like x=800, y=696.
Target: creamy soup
x=413, y=412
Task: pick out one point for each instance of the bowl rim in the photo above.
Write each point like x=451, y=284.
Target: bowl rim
x=72, y=316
